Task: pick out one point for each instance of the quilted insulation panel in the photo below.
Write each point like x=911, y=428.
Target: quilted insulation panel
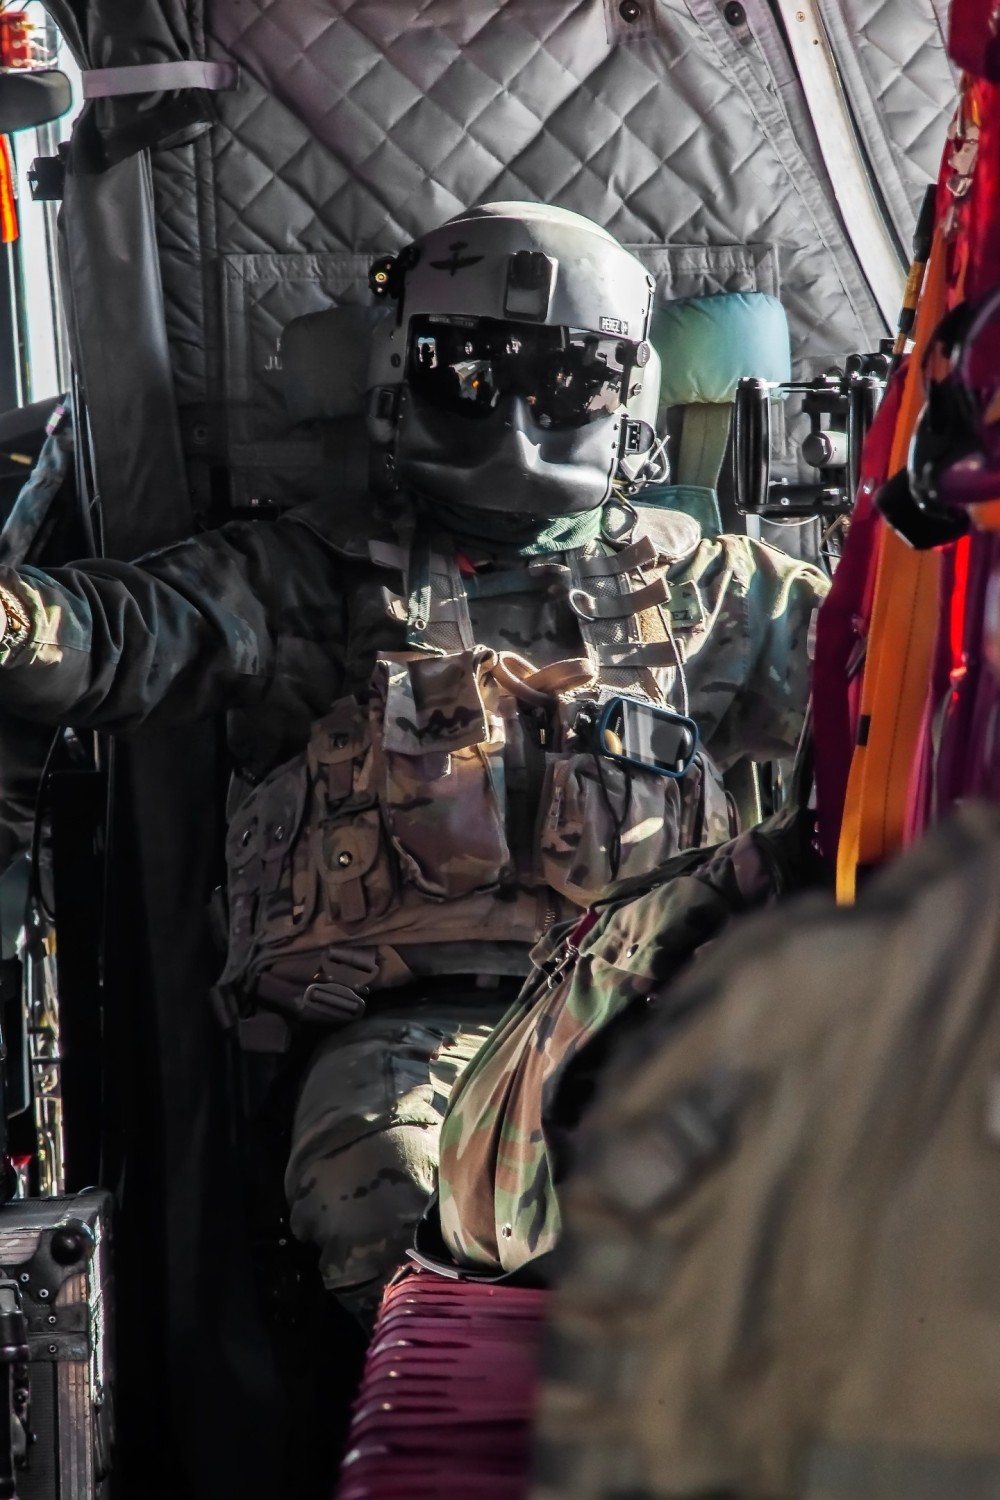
x=359, y=123
x=901, y=87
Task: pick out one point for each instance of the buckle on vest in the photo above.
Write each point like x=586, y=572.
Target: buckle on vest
x=331, y=1004
x=583, y=605
x=265, y=1032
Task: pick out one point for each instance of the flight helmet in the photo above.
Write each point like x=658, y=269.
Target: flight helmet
x=513, y=370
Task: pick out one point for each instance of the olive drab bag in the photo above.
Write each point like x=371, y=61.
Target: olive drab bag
x=503, y=1140
x=794, y=1198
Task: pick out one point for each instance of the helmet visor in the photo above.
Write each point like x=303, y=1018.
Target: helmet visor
x=567, y=377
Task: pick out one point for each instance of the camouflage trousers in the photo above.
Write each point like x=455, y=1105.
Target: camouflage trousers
x=364, y=1155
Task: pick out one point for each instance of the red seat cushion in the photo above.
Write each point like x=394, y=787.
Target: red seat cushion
x=447, y=1394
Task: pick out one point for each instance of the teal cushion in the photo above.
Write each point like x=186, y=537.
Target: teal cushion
x=707, y=344
x=694, y=500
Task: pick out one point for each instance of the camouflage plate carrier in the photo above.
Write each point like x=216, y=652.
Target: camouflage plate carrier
x=461, y=804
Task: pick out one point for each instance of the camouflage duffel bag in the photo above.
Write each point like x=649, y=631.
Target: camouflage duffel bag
x=779, y=1273
x=512, y=1114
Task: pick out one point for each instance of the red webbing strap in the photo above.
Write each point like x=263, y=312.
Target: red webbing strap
x=956, y=609
x=842, y=630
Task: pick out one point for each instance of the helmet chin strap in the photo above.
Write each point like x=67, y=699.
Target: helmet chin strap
x=512, y=534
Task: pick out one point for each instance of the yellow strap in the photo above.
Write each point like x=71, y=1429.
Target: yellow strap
x=900, y=648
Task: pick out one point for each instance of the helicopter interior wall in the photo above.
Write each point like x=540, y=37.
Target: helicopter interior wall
x=196, y=226
x=355, y=125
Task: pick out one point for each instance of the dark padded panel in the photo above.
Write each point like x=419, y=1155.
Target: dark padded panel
x=28, y=99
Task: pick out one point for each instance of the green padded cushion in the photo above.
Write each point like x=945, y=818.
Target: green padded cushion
x=707, y=344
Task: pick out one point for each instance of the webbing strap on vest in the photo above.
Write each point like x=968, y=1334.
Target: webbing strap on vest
x=418, y=588
x=900, y=649
x=589, y=606
x=642, y=553
x=619, y=625
x=539, y=686
x=437, y=606
x=627, y=634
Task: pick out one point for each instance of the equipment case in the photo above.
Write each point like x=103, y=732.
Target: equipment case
x=57, y=1253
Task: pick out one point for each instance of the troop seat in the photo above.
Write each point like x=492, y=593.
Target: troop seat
x=447, y=1395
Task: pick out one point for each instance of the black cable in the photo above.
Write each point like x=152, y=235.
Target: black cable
x=35, y=891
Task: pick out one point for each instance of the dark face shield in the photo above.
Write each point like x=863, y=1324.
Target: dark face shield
x=566, y=378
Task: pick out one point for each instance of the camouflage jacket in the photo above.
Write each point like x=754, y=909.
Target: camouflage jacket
x=511, y=1117
x=293, y=627
x=272, y=622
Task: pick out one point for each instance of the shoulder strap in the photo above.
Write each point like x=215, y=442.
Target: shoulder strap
x=437, y=606
x=627, y=634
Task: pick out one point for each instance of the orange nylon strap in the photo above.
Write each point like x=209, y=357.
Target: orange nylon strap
x=8, y=194
x=986, y=515
x=900, y=648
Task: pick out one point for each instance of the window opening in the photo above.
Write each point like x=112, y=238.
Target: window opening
x=38, y=339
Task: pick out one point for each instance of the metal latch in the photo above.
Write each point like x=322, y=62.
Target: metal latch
x=47, y=178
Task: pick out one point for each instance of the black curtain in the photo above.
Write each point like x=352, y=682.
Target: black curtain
x=199, y=1401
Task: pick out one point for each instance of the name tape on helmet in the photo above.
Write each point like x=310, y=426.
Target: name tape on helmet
x=614, y=325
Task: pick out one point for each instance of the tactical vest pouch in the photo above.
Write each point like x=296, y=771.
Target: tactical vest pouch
x=307, y=847
x=602, y=821
x=338, y=744
x=354, y=867
x=348, y=853
x=393, y=830
x=441, y=737
x=261, y=848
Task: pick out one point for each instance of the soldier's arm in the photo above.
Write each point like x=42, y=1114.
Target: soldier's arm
x=782, y=594
x=186, y=631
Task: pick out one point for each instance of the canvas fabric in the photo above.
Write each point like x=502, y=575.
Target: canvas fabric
x=779, y=1249
x=506, y=1134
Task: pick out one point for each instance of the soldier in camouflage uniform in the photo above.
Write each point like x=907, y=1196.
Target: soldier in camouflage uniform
x=412, y=689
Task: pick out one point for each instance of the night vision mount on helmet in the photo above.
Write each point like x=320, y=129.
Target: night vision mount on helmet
x=516, y=374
